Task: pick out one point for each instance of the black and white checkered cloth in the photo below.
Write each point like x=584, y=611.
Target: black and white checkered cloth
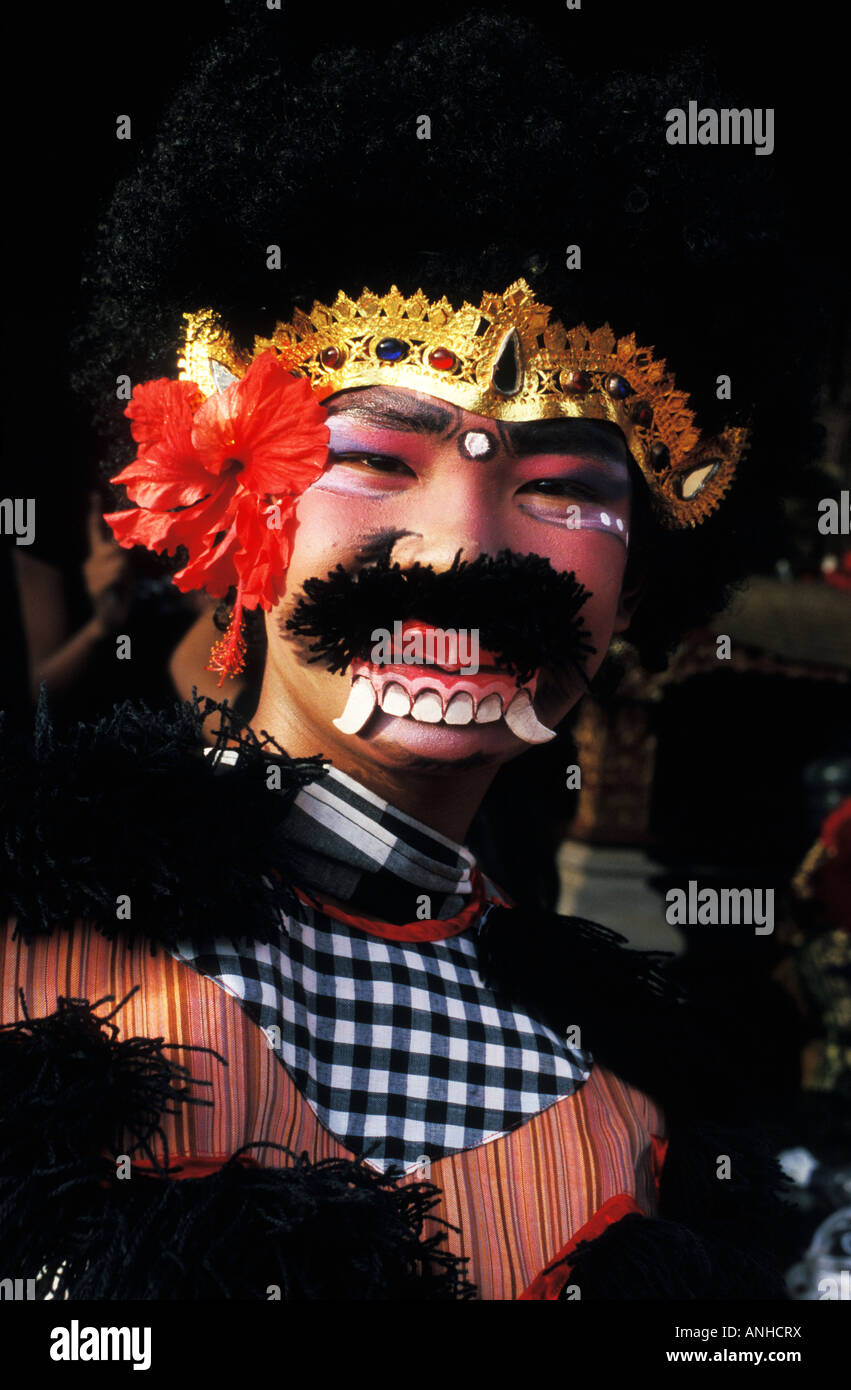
x=346, y=841
x=398, y=1047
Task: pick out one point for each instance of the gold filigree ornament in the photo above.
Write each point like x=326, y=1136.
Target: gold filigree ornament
x=505, y=360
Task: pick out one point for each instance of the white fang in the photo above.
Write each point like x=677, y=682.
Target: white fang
x=359, y=707
x=524, y=722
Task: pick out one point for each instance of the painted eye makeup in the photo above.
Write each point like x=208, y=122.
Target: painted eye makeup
x=587, y=500
x=374, y=463
x=361, y=473
x=560, y=488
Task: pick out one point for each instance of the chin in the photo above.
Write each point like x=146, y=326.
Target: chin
x=407, y=740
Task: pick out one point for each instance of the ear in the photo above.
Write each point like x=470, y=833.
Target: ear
x=630, y=597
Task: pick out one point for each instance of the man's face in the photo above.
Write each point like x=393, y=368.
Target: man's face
x=413, y=478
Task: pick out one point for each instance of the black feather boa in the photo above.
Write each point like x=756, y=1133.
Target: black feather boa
x=129, y=806
x=638, y=1259
x=70, y=1086
x=70, y=1091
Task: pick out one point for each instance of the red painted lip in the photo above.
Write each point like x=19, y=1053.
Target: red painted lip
x=487, y=660
x=484, y=676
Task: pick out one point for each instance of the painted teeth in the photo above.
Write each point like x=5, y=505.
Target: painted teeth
x=427, y=707
x=490, y=709
x=460, y=709
x=396, y=700
x=524, y=722
x=359, y=706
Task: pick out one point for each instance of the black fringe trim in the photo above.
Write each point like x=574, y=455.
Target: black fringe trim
x=327, y=1230
x=129, y=806
x=69, y=1089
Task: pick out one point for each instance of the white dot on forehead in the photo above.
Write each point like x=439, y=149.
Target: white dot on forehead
x=619, y=524
x=605, y=518
x=477, y=444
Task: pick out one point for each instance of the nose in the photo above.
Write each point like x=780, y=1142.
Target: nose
x=437, y=551
x=457, y=512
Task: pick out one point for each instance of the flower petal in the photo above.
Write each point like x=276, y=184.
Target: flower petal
x=213, y=570
x=161, y=479
x=266, y=534
x=194, y=527
x=156, y=404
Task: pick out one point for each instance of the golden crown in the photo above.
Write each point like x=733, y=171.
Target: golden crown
x=505, y=360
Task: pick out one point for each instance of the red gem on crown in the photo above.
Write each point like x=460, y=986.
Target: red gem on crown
x=442, y=359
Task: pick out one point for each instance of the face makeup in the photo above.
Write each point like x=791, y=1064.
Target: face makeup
x=420, y=480
x=477, y=444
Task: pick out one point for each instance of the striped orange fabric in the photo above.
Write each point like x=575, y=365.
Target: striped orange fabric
x=516, y=1200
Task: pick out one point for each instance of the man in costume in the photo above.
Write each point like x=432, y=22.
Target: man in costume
x=338, y=1063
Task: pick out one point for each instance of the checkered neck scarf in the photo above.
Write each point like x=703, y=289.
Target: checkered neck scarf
x=397, y=1045
x=344, y=841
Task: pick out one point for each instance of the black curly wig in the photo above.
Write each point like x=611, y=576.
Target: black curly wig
x=692, y=249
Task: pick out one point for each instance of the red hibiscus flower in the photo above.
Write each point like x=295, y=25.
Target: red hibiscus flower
x=234, y=466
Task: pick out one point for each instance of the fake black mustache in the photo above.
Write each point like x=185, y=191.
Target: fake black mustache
x=525, y=611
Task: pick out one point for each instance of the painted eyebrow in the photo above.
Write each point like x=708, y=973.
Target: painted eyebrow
x=589, y=439
x=379, y=409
